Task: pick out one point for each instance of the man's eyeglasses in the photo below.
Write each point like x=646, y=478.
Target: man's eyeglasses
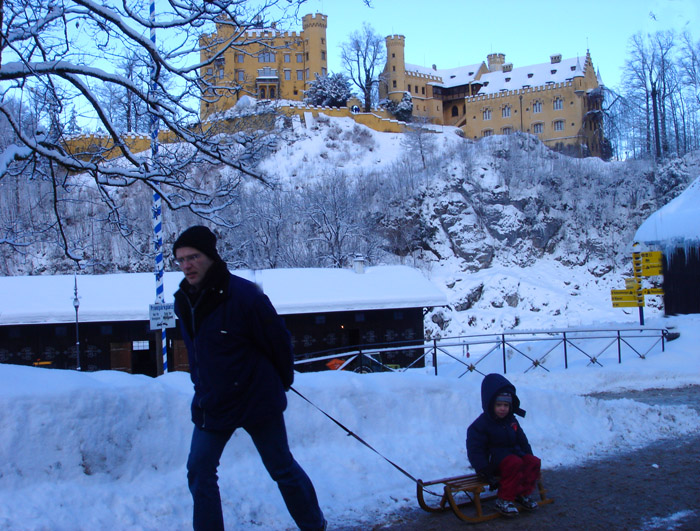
x=181, y=261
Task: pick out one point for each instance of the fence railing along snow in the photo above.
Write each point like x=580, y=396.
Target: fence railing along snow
x=499, y=352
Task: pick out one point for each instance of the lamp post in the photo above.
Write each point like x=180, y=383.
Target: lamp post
x=76, y=305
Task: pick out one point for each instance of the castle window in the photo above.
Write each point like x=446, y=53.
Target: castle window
x=505, y=111
x=262, y=93
x=393, y=69
x=323, y=56
x=272, y=92
x=240, y=75
x=409, y=88
x=287, y=75
x=487, y=132
x=486, y=114
x=210, y=71
x=393, y=83
x=307, y=56
x=287, y=58
x=300, y=75
x=558, y=104
x=240, y=57
x=506, y=130
x=221, y=73
x=324, y=72
x=538, y=128
x=393, y=55
x=537, y=107
x=529, y=76
x=300, y=58
x=266, y=57
x=455, y=111
x=559, y=125
x=422, y=90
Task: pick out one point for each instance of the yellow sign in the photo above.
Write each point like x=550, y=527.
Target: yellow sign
x=653, y=291
x=627, y=304
x=652, y=257
x=651, y=270
x=622, y=298
x=624, y=293
x=632, y=283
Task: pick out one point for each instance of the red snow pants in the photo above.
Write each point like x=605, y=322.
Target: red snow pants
x=518, y=476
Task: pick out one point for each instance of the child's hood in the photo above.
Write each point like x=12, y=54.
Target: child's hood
x=491, y=386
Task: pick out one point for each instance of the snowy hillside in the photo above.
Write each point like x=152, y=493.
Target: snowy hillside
x=515, y=234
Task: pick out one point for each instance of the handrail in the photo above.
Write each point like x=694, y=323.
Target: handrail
x=511, y=345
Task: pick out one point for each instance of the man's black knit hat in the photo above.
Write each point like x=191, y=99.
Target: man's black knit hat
x=199, y=237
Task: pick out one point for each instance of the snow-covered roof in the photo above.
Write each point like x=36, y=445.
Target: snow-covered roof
x=451, y=77
x=127, y=296
x=677, y=222
x=533, y=75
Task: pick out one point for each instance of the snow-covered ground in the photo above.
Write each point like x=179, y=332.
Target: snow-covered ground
x=107, y=450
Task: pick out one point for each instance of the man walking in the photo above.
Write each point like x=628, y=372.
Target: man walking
x=241, y=364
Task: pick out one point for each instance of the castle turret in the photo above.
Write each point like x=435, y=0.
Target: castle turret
x=395, y=69
x=495, y=61
x=315, y=46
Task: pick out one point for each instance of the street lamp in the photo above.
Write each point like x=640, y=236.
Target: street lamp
x=76, y=305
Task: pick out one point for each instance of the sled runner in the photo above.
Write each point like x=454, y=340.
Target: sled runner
x=474, y=489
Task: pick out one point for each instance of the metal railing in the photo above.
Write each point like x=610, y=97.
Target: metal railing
x=485, y=353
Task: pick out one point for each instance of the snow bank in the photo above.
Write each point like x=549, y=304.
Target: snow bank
x=108, y=450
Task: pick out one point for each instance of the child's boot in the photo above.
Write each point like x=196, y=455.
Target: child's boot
x=506, y=508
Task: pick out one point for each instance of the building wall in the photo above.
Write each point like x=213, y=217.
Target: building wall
x=682, y=280
x=559, y=114
x=131, y=346
x=281, y=65
x=556, y=113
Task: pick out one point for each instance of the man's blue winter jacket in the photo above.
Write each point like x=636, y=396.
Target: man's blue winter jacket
x=240, y=354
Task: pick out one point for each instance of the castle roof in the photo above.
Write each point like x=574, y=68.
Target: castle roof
x=533, y=75
x=451, y=77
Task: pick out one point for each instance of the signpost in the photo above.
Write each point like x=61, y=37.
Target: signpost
x=162, y=315
x=648, y=264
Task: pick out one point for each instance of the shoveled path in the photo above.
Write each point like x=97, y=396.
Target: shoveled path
x=653, y=488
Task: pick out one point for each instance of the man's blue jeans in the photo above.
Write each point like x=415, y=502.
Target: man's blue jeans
x=270, y=439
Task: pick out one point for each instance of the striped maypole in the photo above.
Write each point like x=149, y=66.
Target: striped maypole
x=157, y=208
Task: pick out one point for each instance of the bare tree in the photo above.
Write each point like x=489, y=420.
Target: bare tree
x=363, y=56
x=419, y=140
x=65, y=51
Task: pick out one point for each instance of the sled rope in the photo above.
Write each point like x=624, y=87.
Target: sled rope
x=361, y=440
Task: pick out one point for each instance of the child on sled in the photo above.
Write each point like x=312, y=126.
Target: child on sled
x=497, y=446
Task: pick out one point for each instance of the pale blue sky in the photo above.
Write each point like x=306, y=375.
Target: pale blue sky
x=461, y=32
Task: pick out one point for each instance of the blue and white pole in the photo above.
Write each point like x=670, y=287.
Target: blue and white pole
x=157, y=208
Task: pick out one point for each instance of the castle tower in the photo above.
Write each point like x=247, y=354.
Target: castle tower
x=315, y=46
x=395, y=69
x=495, y=61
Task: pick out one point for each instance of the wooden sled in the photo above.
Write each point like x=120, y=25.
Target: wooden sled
x=474, y=488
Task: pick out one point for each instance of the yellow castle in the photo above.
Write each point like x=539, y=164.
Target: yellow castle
x=278, y=65
x=559, y=101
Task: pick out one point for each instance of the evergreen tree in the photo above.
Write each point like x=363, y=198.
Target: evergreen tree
x=329, y=91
